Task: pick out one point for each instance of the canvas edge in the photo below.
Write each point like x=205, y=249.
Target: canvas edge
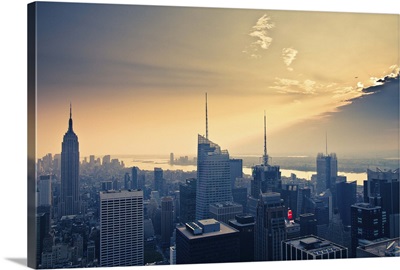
x=31, y=130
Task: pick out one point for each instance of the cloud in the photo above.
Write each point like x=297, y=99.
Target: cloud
x=289, y=86
x=289, y=55
x=260, y=31
x=393, y=72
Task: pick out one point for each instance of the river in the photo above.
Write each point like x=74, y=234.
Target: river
x=149, y=163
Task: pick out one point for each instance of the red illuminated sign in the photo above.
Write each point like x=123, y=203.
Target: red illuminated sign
x=289, y=214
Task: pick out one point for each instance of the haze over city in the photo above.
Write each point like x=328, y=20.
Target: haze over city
x=137, y=77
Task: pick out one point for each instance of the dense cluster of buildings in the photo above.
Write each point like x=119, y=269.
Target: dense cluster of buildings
x=208, y=218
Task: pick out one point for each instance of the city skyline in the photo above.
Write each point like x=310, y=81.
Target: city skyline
x=144, y=83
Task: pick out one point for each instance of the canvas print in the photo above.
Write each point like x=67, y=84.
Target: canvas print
x=162, y=135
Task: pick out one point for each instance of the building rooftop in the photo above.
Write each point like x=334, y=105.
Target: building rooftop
x=120, y=193
x=365, y=206
x=314, y=245
x=386, y=248
x=224, y=204
x=205, y=225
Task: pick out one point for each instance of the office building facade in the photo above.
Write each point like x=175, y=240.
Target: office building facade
x=245, y=223
x=367, y=224
x=167, y=222
x=326, y=172
x=225, y=211
x=312, y=248
x=213, y=177
x=187, y=194
x=121, y=228
x=206, y=241
x=270, y=229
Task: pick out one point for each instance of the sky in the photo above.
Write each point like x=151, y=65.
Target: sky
x=136, y=77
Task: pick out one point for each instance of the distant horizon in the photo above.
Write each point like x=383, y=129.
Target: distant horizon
x=166, y=156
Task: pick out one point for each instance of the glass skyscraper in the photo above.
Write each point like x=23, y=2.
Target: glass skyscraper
x=213, y=176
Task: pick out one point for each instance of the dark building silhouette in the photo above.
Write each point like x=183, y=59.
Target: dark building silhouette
x=236, y=169
x=346, y=197
x=385, y=248
x=159, y=182
x=304, y=195
x=382, y=189
x=308, y=224
x=42, y=231
x=187, y=193
x=134, y=179
x=338, y=233
x=312, y=248
x=270, y=229
x=224, y=211
x=167, y=221
x=266, y=178
x=292, y=229
x=367, y=225
x=127, y=181
x=244, y=223
x=239, y=195
x=206, y=241
x=70, y=201
x=290, y=195
x=326, y=172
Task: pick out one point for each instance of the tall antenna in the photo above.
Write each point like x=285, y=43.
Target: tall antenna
x=326, y=142
x=70, y=110
x=206, y=119
x=265, y=157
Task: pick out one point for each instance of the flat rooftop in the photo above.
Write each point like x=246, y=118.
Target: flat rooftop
x=386, y=248
x=314, y=245
x=224, y=229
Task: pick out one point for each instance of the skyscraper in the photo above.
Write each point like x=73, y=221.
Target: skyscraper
x=290, y=195
x=134, y=179
x=312, y=248
x=270, y=229
x=213, y=175
x=121, y=228
x=206, y=241
x=166, y=221
x=326, y=172
x=45, y=197
x=245, y=225
x=159, y=181
x=346, y=197
x=127, y=181
x=70, y=201
x=382, y=189
x=236, y=168
x=266, y=178
x=225, y=211
x=187, y=201
x=367, y=224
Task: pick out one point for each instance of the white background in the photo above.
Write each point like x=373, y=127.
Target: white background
x=13, y=138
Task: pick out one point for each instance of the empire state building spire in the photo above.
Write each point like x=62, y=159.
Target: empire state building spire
x=70, y=118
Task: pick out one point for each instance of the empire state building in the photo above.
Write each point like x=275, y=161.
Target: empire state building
x=70, y=203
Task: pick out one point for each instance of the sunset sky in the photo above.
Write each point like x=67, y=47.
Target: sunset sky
x=137, y=76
